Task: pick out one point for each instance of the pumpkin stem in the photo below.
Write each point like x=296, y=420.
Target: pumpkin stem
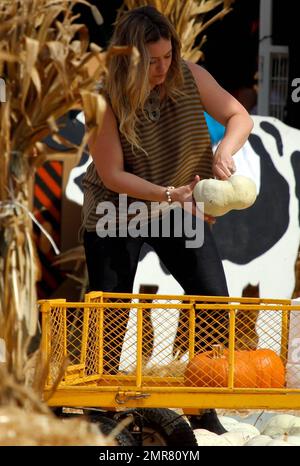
x=217, y=351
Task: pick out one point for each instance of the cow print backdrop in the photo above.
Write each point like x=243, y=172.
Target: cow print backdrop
x=259, y=245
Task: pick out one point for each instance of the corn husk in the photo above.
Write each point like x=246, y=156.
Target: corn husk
x=76, y=258
x=25, y=418
x=49, y=68
x=23, y=428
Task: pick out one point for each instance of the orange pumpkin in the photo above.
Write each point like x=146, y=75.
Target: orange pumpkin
x=210, y=369
x=269, y=368
x=259, y=368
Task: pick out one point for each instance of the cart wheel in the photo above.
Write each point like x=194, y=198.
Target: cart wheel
x=107, y=425
x=162, y=427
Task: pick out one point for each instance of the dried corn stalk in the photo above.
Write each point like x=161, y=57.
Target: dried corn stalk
x=21, y=428
x=188, y=17
x=45, y=61
x=76, y=258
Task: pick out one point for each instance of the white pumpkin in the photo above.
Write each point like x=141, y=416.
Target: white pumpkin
x=259, y=441
x=228, y=439
x=290, y=439
x=282, y=424
x=233, y=426
x=234, y=439
x=247, y=430
x=206, y=438
x=228, y=422
x=221, y=196
x=267, y=441
x=278, y=443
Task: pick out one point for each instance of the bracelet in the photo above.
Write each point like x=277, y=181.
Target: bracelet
x=168, y=194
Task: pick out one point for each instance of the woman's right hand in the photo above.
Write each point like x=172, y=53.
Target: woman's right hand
x=184, y=195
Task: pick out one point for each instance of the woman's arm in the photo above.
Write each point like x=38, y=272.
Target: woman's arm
x=224, y=108
x=107, y=154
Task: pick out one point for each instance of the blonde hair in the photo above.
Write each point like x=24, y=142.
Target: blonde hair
x=137, y=28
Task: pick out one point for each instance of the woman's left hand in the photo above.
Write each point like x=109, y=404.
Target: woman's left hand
x=223, y=164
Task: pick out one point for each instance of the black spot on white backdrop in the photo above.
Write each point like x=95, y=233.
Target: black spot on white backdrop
x=243, y=235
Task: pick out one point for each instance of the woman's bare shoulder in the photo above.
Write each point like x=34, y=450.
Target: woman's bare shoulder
x=197, y=70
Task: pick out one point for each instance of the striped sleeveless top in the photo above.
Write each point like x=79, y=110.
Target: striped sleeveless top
x=177, y=147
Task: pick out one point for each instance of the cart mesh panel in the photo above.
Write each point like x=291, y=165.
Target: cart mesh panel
x=184, y=341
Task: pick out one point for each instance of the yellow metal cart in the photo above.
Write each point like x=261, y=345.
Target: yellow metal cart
x=155, y=330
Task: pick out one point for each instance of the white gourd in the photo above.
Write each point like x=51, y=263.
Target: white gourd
x=221, y=196
x=267, y=441
x=234, y=439
x=228, y=422
x=282, y=424
x=228, y=439
x=233, y=426
x=258, y=441
x=206, y=438
x=278, y=443
x=248, y=430
x=280, y=430
x=291, y=439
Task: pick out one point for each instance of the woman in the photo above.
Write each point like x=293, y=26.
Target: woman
x=154, y=147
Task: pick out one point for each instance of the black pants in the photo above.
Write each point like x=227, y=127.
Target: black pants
x=112, y=263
